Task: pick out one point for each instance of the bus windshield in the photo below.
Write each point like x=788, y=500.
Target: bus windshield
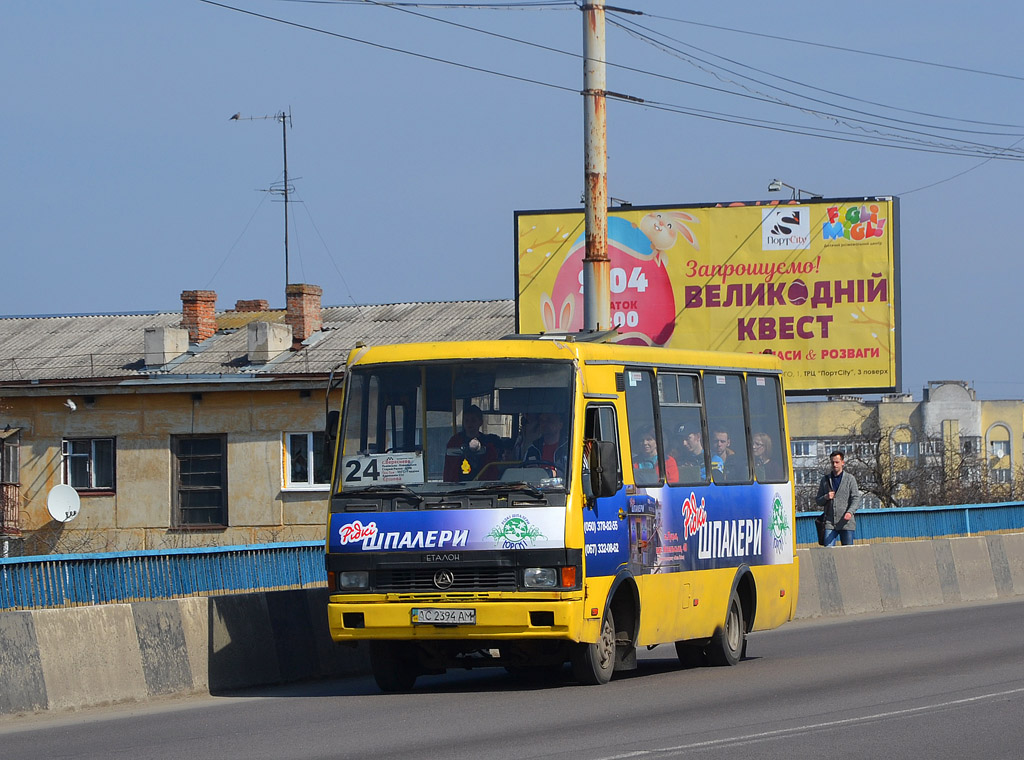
x=456, y=427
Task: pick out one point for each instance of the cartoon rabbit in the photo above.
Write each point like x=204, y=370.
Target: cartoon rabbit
x=562, y=322
x=663, y=229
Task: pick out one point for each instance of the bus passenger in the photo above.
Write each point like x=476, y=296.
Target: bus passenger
x=691, y=460
x=469, y=450
x=720, y=453
x=529, y=429
x=765, y=468
x=552, y=445
x=647, y=458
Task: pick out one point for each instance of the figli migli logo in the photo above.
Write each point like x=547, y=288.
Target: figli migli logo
x=786, y=228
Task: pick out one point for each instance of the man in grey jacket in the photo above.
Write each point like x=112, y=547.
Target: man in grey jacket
x=838, y=496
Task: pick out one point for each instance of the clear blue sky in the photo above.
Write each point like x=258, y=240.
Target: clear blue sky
x=124, y=182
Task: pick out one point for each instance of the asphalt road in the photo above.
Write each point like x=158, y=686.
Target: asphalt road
x=941, y=683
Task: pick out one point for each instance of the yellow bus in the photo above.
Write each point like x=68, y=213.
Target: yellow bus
x=536, y=501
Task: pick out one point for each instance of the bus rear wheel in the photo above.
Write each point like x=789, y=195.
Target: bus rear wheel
x=593, y=664
x=727, y=645
x=394, y=668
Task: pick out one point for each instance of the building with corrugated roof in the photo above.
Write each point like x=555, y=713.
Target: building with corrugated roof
x=192, y=428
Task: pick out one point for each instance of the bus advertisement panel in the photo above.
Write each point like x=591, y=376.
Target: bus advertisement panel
x=815, y=282
x=672, y=530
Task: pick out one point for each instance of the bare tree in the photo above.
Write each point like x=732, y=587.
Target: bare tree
x=901, y=468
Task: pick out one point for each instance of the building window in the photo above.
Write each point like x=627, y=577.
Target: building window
x=905, y=449
x=200, y=481
x=804, y=448
x=805, y=477
x=304, y=461
x=10, y=443
x=88, y=463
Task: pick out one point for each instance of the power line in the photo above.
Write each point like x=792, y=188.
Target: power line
x=811, y=131
x=390, y=48
x=759, y=96
x=536, y=5
x=795, y=41
x=858, y=123
x=882, y=141
x=630, y=27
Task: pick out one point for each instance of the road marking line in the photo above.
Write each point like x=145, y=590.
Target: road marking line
x=750, y=738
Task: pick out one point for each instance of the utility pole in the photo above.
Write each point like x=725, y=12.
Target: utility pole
x=596, y=269
x=286, y=120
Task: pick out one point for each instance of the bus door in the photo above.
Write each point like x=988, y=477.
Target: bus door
x=605, y=527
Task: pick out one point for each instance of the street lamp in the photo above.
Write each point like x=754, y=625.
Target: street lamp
x=777, y=184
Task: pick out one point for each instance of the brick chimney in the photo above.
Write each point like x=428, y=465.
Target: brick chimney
x=303, y=310
x=198, y=314
x=255, y=304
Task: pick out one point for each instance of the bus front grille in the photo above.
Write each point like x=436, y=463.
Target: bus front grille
x=462, y=579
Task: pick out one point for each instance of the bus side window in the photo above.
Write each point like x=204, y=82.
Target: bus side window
x=768, y=439
x=681, y=429
x=727, y=428
x=647, y=457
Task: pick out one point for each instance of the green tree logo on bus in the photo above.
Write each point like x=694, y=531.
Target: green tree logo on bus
x=515, y=532
x=779, y=526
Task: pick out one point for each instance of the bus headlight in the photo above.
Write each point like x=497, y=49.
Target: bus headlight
x=353, y=580
x=540, y=577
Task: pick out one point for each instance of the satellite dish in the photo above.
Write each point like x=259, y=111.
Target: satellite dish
x=63, y=503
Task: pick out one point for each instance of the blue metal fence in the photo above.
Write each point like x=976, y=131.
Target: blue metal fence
x=915, y=523
x=68, y=580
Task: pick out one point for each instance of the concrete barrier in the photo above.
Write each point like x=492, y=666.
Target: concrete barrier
x=62, y=659
x=881, y=577
x=58, y=659
x=1013, y=553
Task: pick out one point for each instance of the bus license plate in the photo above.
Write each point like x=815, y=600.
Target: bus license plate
x=435, y=616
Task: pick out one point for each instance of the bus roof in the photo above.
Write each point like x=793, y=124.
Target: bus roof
x=522, y=347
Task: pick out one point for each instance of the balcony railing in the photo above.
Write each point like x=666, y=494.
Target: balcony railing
x=10, y=509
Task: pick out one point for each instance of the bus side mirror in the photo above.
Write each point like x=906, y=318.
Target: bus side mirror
x=604, y=469
x=330, y=431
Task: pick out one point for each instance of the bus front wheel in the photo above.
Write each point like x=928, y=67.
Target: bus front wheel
x=593, y=664
x=727, y=645
x=394, y=669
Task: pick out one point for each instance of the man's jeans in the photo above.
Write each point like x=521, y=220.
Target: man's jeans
x=844, y=536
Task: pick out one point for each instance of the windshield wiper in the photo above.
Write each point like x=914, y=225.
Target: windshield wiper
x=524, y=488
x=396, y=489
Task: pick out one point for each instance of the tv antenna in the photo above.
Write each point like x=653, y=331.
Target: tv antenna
x=278, y=188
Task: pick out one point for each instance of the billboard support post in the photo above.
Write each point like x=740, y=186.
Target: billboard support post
x=596, y=268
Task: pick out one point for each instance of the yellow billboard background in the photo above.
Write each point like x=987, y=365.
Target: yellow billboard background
x=815, y=282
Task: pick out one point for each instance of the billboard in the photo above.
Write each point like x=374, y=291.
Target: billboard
x=814, y=281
